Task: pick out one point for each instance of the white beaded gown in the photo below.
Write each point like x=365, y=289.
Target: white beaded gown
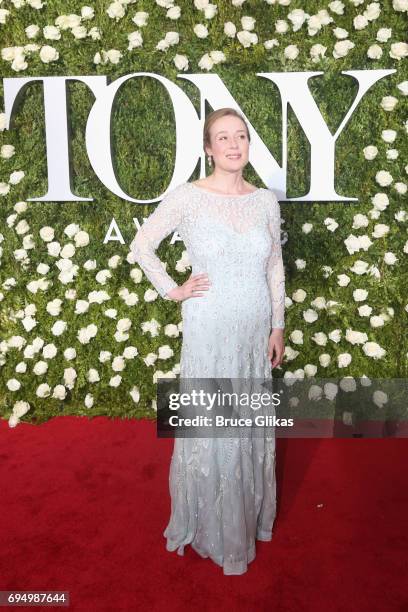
x=223, y=490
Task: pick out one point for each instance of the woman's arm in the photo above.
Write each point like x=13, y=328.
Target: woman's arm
x=164, y=219
x=275, y=269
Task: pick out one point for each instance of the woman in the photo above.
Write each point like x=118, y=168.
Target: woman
x=223, y=492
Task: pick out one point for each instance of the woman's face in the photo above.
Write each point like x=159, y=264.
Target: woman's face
x=229, y=143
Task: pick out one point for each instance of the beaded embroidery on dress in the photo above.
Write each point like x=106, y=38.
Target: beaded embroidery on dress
x=223, y=490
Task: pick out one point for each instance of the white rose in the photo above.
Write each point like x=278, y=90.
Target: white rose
x=43, y=390
x=114, y=56
x=116, y=10
x=360, y=22
x=380, y=398
x=299, y=295
x=165, y=352
x=69, y=353
x=335, y=335
x=181, y=62
x=330, y=390
x=230, y=29
x=89, y=400
x=359, y=267
x=93, y=375
x=200, y=30
x=343, y=280
x=376, y=321
x=296, y=336
x=248, y=23
x=205, y=63
x=171, y=330
x=384, y=34
x=403, y=87
x=13, y=420
x=372, y=11
x=269, y=44
x=343, y=360
x=245, y=38
x=340, y=33
x=281, y=26
x=374, y=52
x=320, y=338
x=210, y=11
x=135, y=394
x=48, y=54
x=174, y=12
x=399, y=50
x=298, y=18
x=118, y=364
x=291, y=52
x=400, y=5
x=352, y=244
x=13, y=384
x=59, y=392
x=290, y=353
x=130, y=352
x=150, y=359
x=49, y=351
x=20, y=408
x=370, y=152
x=32, y=30
x=319, y=302
x=87, y=12
x=201, y=4
x=365, y=310
x=150, y=295
x=58, y=328
x=94, y=33
x=310, y=370
x=310, y=315
x=217, y=56
x=172, y=38
x=360, y=295
x=324, y=360
x=16, y=177
x=7, y=151
x=140, y=18
x=115, y=381
x=70, y=377
x=356, y=337
x=79, y=32
x=374, y=350
x=388, y=103
x=331, y=224
x=317, y=52
x=341, y=48
x=380, y=201
x=390, y=259
x=380, y=230
x=51, y=32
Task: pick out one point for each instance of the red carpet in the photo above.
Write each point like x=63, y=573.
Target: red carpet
x=85, y=502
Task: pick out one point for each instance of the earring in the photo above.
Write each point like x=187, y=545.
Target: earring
x=209, y=160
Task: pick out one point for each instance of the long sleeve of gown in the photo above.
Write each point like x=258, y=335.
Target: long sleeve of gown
x=275, y=269
x=164, y=219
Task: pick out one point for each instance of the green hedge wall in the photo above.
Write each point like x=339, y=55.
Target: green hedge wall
x=144, y=147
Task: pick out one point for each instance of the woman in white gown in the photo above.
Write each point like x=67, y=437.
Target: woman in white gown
x=223, y=490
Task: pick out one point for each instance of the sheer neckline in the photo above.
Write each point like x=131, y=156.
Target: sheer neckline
x=226, y=195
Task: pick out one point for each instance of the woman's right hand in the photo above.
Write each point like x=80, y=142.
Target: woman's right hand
x=191, y=288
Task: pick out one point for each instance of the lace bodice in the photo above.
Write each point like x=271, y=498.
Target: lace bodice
x=197, y=215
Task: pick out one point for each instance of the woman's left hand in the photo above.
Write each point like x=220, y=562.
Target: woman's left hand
x=276, y=346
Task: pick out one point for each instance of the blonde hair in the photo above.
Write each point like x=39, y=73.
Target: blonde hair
x=212, y=117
